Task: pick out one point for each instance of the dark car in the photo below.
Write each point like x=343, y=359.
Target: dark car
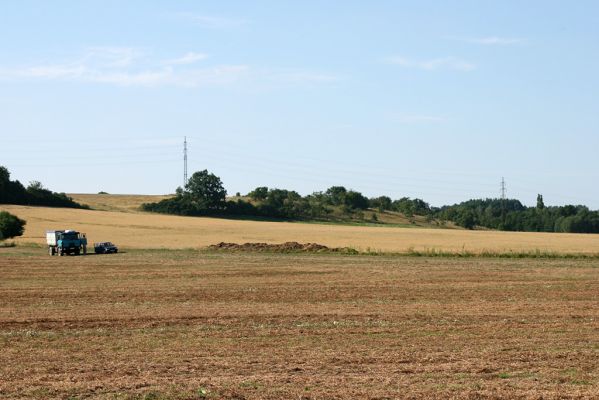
x=105, y=248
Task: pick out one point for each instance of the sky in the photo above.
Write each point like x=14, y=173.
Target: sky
x=430, y=99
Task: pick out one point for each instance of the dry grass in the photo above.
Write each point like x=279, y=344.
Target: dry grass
x=189, y=325
x=144, y=230
x=116, y=202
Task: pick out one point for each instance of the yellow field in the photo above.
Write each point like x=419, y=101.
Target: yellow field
x=132, y=229
x=116, y=202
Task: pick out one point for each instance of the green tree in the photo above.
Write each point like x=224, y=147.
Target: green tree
x=382, y=203
x=259, y=193
x=10, y=225
x=335, y=195
x=206, y=190
x=355, y=200
x=4, y=176
x=540, y=203
x=36, y=186
x=466, y=219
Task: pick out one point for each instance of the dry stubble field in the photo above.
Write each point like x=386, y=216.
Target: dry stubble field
x=187, y=324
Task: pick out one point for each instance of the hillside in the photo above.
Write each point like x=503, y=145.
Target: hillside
x=132, y=203
x=121, y=223
x=116, y=202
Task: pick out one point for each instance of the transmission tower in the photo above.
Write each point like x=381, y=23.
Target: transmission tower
x=185, y=161
x=503, y=190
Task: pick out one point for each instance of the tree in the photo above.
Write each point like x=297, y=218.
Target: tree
x=4, y=183
x=259, y=193
x=335, y=195
x=10, y=225
x=4, y=176
x=206, y=190
x=382, y=203
x=467, y=219
x=540, y=203
x=355, y=200
x=36, y=185
x=283, y=203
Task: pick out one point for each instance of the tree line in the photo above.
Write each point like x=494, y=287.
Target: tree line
x=512, y=215
x=204, y=194
x=13, y=192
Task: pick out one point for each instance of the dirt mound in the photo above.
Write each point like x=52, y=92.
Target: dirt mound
x=286, y=247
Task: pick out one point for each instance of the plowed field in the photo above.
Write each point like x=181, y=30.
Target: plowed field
x=185, y=324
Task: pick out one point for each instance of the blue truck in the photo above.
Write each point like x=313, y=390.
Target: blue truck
x=66, y=242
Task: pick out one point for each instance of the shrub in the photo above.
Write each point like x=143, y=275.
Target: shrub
x=10, y=225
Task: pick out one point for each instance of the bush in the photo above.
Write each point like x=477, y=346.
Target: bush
x=10, y=225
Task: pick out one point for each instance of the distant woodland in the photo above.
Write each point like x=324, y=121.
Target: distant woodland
x=204, y=194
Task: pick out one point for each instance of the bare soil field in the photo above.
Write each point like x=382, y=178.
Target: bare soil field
x=186, y=324
x=145, y=230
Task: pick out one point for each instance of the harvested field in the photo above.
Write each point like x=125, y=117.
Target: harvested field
x=186, y=324
x=116, y=202
x=144, y=230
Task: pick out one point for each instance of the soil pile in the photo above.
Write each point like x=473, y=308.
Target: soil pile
x=287, y=247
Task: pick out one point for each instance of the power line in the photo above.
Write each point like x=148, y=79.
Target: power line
x=503, y=189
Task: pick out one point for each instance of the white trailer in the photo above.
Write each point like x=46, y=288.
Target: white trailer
x=52, y=237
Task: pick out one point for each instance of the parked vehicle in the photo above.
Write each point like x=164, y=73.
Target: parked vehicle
x=105, y=248
x=66, y=242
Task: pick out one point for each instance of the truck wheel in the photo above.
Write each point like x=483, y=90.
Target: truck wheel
x=77, y=251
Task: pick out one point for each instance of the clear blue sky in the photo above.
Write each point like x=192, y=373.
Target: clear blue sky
x=436, y=100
